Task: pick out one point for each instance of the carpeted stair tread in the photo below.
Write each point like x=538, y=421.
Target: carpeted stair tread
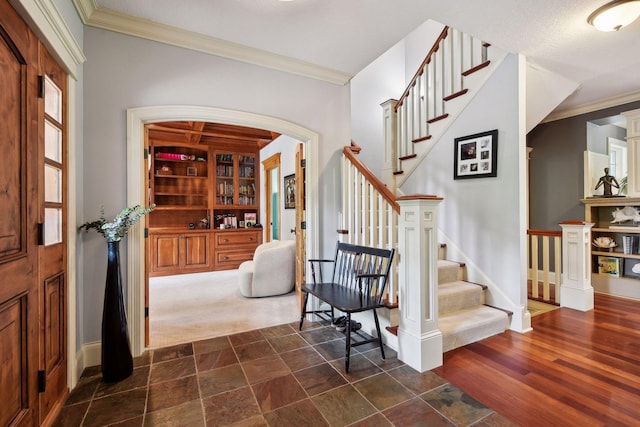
x=470, y=325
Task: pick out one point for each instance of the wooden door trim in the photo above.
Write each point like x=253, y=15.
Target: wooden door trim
x=269, y=164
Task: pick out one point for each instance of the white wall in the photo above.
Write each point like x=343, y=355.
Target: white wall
x=385, y=78
x=481, y=216
x=123, y=72
x=286, y=146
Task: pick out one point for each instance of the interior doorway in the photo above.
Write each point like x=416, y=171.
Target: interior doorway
x=136, y=251
x=271, y=167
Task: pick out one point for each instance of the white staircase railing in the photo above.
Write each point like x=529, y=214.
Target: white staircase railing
x=541, y=257
x=427, y=99
x=369, y=213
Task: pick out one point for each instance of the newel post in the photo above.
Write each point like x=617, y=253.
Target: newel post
x=419, y=339
x=390, y=123
x=576, y=291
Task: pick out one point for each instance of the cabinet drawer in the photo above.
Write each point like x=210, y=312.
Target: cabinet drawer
x=230, y=238
x=232, y=259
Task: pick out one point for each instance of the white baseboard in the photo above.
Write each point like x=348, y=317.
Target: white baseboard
x=89, y=355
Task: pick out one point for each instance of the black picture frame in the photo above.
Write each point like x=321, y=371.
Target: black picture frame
x=476, y=156
x=290, y=191
x=631, y=268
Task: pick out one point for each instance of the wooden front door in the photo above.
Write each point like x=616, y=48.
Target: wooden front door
x=32, y=254
x=18, y=222
x=52, y=198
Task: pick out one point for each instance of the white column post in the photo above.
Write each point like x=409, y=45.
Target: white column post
x=390, y=123
x=419, y=339
x=576, y=291
x=633, y=152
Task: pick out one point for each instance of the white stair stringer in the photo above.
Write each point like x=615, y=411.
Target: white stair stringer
x=453, y=108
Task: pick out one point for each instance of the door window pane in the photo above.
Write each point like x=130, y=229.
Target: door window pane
x=52, y=226
x=52, y=184
x=52, y=142
x=52, y=100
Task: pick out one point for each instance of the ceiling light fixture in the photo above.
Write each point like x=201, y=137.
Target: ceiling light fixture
x=615, y=15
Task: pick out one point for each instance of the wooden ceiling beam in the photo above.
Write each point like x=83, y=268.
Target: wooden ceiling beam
x=241, y=136
x=198, y=127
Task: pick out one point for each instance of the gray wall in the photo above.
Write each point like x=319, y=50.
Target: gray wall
x=122, y=72
x=597, y=136
x=556, y=168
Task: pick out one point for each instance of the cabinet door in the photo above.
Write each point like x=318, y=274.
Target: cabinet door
x=166, y=253
x=196, y=251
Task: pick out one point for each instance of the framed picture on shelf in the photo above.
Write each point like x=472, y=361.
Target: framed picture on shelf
x=632, y=268
x=191, y=171
x=249, y=219
x=476, y=156
x=609, y=266
x=290, y=191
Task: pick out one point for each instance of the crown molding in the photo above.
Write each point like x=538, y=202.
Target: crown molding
x=108, y=19
x=593, y=106
x=45, y=20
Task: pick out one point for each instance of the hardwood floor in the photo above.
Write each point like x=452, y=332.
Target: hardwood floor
x=573, y=369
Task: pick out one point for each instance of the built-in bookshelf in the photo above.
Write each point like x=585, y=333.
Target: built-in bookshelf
x=615, y=269
x=202, y=197
x=179, y=186
x=236, y=187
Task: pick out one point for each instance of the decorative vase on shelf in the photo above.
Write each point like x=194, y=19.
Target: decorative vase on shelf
x=117, y=360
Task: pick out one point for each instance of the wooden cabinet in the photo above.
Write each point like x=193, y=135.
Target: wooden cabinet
x=196, y=189
x=179, y=253
x=614, y=271
x=233, y=247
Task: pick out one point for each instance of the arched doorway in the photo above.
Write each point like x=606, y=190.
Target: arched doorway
x=136, y=119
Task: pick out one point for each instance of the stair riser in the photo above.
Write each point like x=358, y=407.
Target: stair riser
x=469, y=334
x=452, y=302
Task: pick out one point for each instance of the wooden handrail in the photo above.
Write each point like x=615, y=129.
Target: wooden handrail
x=434, y=49
x=550, y=233
x=374, y=180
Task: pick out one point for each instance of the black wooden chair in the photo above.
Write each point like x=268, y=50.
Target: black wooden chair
x=358, y=280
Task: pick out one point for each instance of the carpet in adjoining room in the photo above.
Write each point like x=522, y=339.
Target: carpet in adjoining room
x=191, y=307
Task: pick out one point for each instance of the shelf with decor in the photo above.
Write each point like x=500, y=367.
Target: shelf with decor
x=615, y=246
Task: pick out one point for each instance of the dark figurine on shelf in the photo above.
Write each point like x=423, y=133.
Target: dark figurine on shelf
x=607, y=181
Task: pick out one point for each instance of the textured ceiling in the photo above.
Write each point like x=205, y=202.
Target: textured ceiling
x=347, y=35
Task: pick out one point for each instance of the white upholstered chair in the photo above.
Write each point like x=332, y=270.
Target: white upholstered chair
x=272, y=270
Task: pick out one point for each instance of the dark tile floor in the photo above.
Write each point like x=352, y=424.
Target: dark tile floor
x=275, y=376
